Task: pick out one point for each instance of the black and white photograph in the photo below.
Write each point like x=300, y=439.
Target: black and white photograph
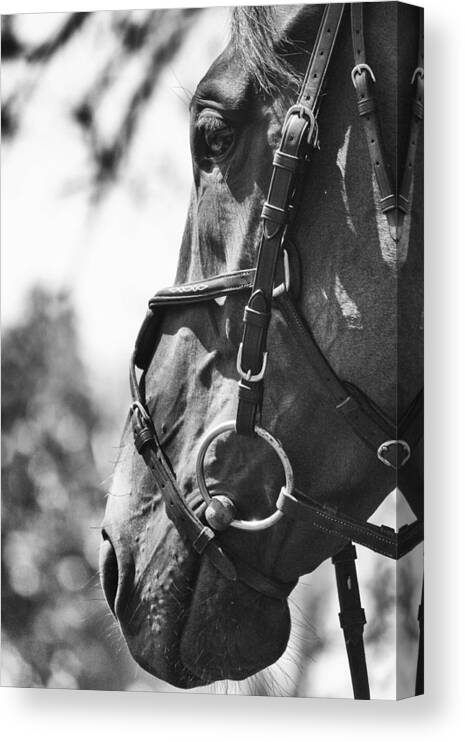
x=212, y=350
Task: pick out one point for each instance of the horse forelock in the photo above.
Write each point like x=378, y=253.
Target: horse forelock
x=264, y=48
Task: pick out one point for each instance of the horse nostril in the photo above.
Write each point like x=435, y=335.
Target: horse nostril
x=108, y=571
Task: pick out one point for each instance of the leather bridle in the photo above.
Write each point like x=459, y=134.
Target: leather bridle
x=201, y=519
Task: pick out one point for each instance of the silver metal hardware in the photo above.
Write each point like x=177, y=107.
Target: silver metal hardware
x=284, y=286
x=305, y=113
x=230, y=426
x=384, y=448
x=358, y=69
x=419, y=71
x=248, y=375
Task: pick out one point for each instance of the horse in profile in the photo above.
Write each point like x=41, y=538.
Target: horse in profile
x=351, y=273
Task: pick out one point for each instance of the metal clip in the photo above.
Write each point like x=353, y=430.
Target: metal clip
x=248, y=375
x=358, y=69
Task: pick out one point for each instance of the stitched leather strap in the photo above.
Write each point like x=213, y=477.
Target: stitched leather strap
x=204, y=290
x=299, y=506
x=188, y=293
x=299, y=133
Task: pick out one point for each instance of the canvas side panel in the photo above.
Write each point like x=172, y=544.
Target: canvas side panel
x=409, y=501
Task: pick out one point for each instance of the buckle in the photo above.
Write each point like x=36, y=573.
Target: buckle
x=141, y=413
x=358, y=69
x=384, y=453
x=248, y=375
x=419, y=72
x=306, y=113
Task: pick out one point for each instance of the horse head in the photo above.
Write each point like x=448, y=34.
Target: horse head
x=346, y=275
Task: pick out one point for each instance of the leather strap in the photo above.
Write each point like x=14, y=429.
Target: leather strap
x=383, y=540
x=415, y=122
x=187, y=519
x=352, y=619
x=358, y=411
x=180, y=295
x=394, y=204
x=200, y=536
x=204, y=290
x=299, y=134
x=419, y=680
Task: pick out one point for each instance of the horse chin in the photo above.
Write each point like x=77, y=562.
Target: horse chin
x=220, y=630
x=232, y=632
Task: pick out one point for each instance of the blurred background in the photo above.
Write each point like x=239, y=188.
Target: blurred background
x=96, y=178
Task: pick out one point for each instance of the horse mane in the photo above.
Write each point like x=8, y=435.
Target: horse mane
x=263, y=48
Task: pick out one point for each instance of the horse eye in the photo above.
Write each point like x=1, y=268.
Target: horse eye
x=213, y=138
x=218, y=142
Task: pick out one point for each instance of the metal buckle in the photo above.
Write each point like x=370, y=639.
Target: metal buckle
x=358, y=69
x=248, y=375
x=384, y=448
x=284, y=286
x=245, y=525
x=419, y=71
x=144, y=414
x=306, y=113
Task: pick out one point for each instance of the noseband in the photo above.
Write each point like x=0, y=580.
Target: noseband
x=201, y=520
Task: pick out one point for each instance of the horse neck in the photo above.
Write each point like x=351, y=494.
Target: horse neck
x=361, y=293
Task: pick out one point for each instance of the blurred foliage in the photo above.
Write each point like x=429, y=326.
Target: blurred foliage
x=57, y=631
x=155, y=36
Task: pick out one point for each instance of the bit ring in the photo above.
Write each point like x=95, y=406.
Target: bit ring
x=230, y=425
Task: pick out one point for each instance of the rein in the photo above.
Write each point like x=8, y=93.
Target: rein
x=201, y=519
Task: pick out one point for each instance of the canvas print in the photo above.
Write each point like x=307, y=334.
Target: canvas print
x=212, y=366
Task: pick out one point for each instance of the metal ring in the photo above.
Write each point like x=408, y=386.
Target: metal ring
x=382, y=449
x=230, y=425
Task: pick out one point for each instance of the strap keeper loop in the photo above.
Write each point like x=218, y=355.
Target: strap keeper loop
x=354, y=617
x=388, y=202
x=251, y=394
x=274, y=213
x=255, y=318
x=142, y=437
x=285, y=161
x=347, y=554
x=203, y=539
x=366, y=105
x=418, y=109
